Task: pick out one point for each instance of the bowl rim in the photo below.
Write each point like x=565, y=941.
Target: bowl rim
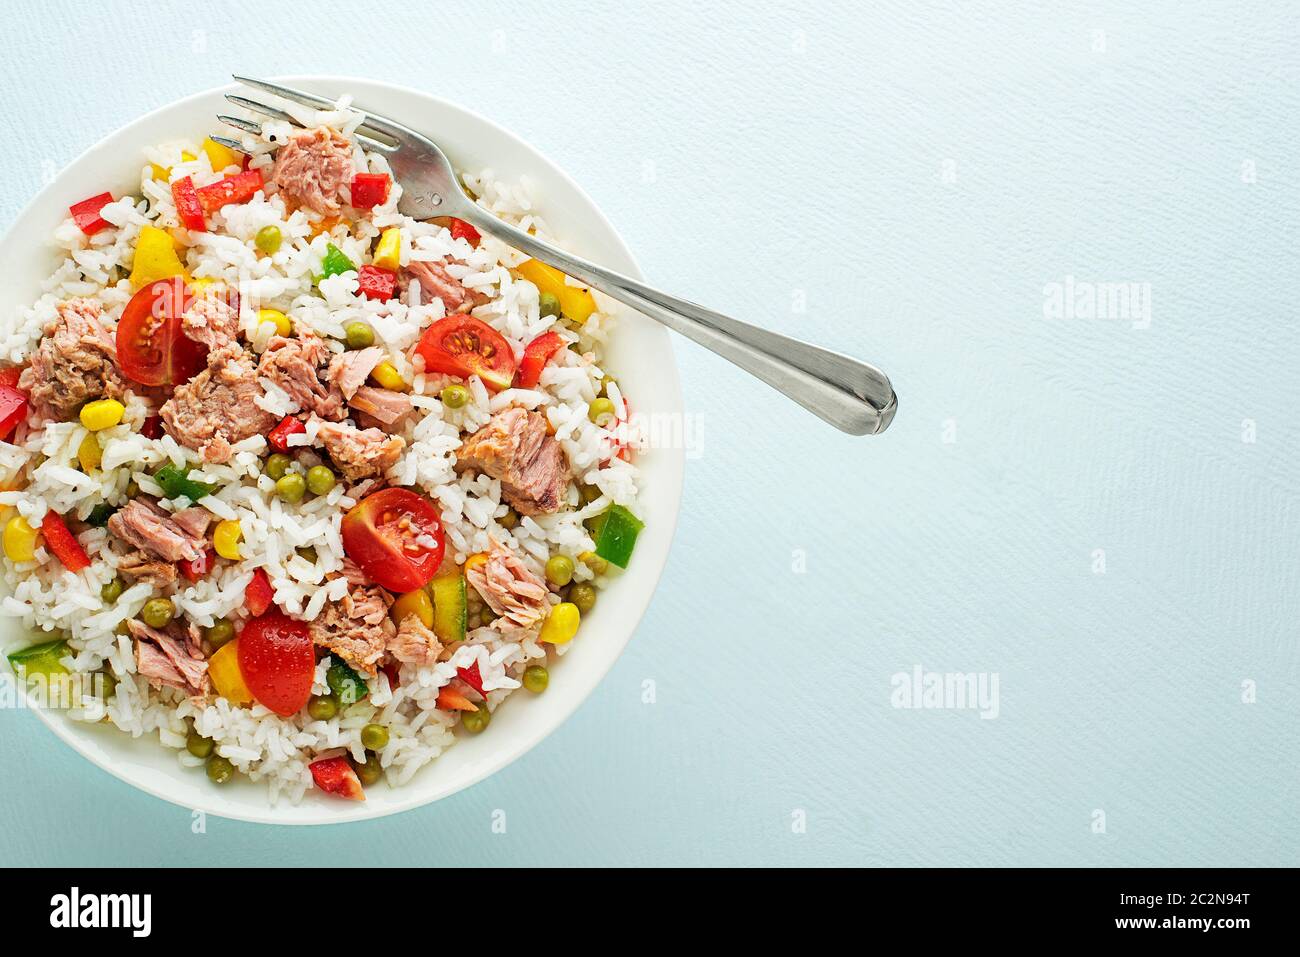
x=671, y=468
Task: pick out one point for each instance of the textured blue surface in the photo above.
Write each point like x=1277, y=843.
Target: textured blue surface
x=918, y=175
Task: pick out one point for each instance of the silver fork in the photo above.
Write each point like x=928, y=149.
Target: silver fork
x=851, y=395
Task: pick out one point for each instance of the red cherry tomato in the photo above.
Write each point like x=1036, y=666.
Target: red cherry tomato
x=278, y=661
x=258, y=594
x=396, y=538
x=278, y=437
x=10, y=375
x=151, y=348
x=464, y=346
x=536, y=354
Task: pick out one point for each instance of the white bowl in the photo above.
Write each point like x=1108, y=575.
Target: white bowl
x=641, y=356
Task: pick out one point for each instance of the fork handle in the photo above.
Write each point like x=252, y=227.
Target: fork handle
x=851, y=395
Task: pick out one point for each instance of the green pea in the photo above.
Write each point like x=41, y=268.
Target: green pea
x=322, y=707
x=548, y=304
x=584, y=596
x=374, y=737
x=588, y=493
x=455, y=396
x=109, y=686
x=476, y=721
x=358, y=335
x=158, y=612
x=198, y=745
x=308, y=553
x=559, y=570
x=277, y=465
x=510, y=519
x=291, y=487
x=132, y=489
x=320, y=479
x=220, y=770
x=369, y=771
x=536, y=678
x=268, y=239
x=219, y=632
x=600, y=411
x=122, y=630
x=112, y=591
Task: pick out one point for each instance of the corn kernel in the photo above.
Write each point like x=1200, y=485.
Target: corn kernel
x=561, y=624
x=102, y=414
x=19, y=540
x=388, y=377
x=225, y=539
x=89, y=454
x=283, y=327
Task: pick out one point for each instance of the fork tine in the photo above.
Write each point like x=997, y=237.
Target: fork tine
x=273, y=112
x=377, y=124
x=248, y=126
x=235, y=145
x=277, y=114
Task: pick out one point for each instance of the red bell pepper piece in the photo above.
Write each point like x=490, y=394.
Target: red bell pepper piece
x=536, y=354
x=233, y=189
x=188, y=207
x=279, y=436
x=472, y=678
x=259, y=593
x=63, y=543
x=151, y=427
x=463, y=230
x=370, y=190
x=86, y=213
x=13, y=409
x=337, y=776
x=199, y=568
x=377, y=283
x=392, y=670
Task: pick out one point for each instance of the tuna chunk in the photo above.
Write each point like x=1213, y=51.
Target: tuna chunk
x=360, y=453
x=292, y=363
x=168, y=660
x=358, y=628
x=414, y=644
x=215, y=409
x=313, y=168
x=212, y=321
x=144, y=525
x=509, y=588
x=515, y=448
x=141, y=567
x=75, y=362
x=436, y=283
x=384, y=406
x=349, y=370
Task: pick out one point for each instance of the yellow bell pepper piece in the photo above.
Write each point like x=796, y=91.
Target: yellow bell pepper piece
x=283, y=327
x=575, y=303
x=155, y=258
x=415, y=603
x=19, y=540
x=388, y=252
x=89, y=454
x=223, y=669
x=474, y=561
x=561, y=624
x=221, y=156
x=102, y=414
x=164, y=173
x=388, y=377
x=225, y=539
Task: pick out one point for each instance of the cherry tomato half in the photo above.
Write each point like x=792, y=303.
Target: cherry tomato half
x=277, y=661
x=464, y=346
x=151, y=348
x=396, y=538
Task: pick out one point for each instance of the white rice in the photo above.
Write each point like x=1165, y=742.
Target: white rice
x=38, y=466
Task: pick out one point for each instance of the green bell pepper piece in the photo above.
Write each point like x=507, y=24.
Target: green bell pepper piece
x=100, y=514
x=450, y=604
x=615, y=533
x=345, y=683
x=42, y=659
x=335, y=262
x=176, y=482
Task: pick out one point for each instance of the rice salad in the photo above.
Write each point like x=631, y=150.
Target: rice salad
x=300, y=485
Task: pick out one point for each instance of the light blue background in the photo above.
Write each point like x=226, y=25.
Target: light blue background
x=751, y=156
